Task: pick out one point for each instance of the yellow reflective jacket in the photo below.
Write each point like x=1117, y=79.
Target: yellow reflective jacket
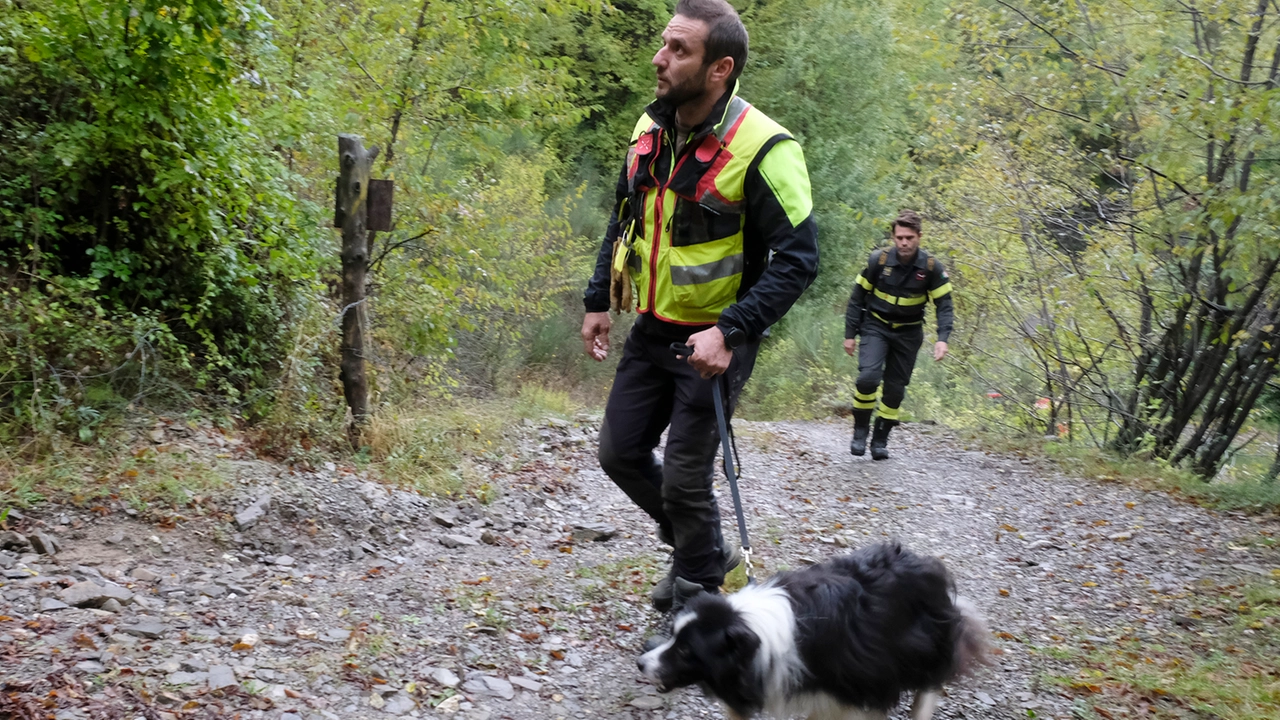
x=696, y=230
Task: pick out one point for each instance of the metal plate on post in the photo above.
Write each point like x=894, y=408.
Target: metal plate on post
x=380, y=196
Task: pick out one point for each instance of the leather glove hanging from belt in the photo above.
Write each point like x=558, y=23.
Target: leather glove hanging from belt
x=621, y=298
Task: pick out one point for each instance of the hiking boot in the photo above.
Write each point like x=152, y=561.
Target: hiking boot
x=880, y=439
x=664, y=591
x=858, y=445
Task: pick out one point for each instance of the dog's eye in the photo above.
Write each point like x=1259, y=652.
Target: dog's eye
x=683, y=651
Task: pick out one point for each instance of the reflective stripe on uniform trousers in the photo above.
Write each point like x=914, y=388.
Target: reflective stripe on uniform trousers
x=863, y=402
x=886, y=412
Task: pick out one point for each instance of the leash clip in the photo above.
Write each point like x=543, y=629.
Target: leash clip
x=746, y=559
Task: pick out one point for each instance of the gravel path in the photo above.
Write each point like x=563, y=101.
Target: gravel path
x=344, y=599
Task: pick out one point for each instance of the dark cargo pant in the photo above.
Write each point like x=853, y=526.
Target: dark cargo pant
x=887, y=354
x=651, y=391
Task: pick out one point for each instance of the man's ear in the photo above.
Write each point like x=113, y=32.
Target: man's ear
x=720, y=70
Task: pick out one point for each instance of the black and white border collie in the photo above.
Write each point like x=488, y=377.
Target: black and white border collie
x=843, y=639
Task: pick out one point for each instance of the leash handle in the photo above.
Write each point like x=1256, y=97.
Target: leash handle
x=722, y=424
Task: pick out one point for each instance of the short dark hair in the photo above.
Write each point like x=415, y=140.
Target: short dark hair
x=907, y=219
x=726, y=35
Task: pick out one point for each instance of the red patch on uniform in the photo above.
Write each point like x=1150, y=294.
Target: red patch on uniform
x=707, y=150
x=920, y=275
x=644, y=145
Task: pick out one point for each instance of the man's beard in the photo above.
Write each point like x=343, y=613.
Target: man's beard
x=691, y=88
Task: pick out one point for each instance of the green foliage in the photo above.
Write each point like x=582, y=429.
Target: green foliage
x=66, y=364
x=801, y=371
x=130, y=181
x=834, y=74
x=1099, y=172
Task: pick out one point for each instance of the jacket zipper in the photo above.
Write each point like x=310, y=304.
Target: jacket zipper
x=657, y=227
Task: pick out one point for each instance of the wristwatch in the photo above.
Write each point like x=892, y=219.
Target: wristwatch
x=734, y=337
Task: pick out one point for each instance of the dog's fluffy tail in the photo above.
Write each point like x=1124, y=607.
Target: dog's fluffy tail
x=971, y=640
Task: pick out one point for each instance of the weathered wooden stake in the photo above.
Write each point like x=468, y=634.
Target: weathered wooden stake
x=350, y=213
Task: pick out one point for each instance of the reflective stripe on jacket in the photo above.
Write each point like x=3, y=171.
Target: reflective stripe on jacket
x=700, y=226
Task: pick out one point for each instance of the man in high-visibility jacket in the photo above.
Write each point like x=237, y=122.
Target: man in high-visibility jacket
x=713, y=225
x=887, y=309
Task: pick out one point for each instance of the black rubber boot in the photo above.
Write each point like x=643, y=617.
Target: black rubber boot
x=880, y=439
x=861, y=428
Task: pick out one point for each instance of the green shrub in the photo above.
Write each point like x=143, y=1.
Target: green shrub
x=130, y=183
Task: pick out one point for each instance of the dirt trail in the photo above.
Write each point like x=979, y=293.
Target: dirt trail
x=348, y=600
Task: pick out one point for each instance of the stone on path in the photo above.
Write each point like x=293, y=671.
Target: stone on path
x=43, y=543
x=456, y=541
x=445, y=677
x=593, y=532
x=142, y=574
x=52, y=605
x=187, y=678
x=499, y=687
x=221, y=676
x=398, y=703
x=250, y=516
x=149, y=629
x=91, y=594
x=10, y=540
x=526, y=683
x=647, y=702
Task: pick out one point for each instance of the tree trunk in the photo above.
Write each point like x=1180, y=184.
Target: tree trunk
x=351, y=210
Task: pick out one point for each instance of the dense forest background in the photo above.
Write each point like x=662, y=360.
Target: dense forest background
x=1100, y=177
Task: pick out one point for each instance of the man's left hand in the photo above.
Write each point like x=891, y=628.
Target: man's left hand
x=939, y=350
x=710, y=357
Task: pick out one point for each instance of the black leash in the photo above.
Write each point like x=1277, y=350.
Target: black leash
x=729, y=450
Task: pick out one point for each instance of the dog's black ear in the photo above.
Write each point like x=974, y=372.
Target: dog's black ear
x=740, y=641
x=734, y=681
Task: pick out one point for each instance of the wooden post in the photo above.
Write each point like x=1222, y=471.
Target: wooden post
x=350, y=213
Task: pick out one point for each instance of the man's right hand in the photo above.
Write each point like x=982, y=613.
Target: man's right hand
x=851, y=346
x=595, y=335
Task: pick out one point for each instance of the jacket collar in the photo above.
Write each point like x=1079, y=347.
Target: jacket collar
x=664, y=114
x=921, y=259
